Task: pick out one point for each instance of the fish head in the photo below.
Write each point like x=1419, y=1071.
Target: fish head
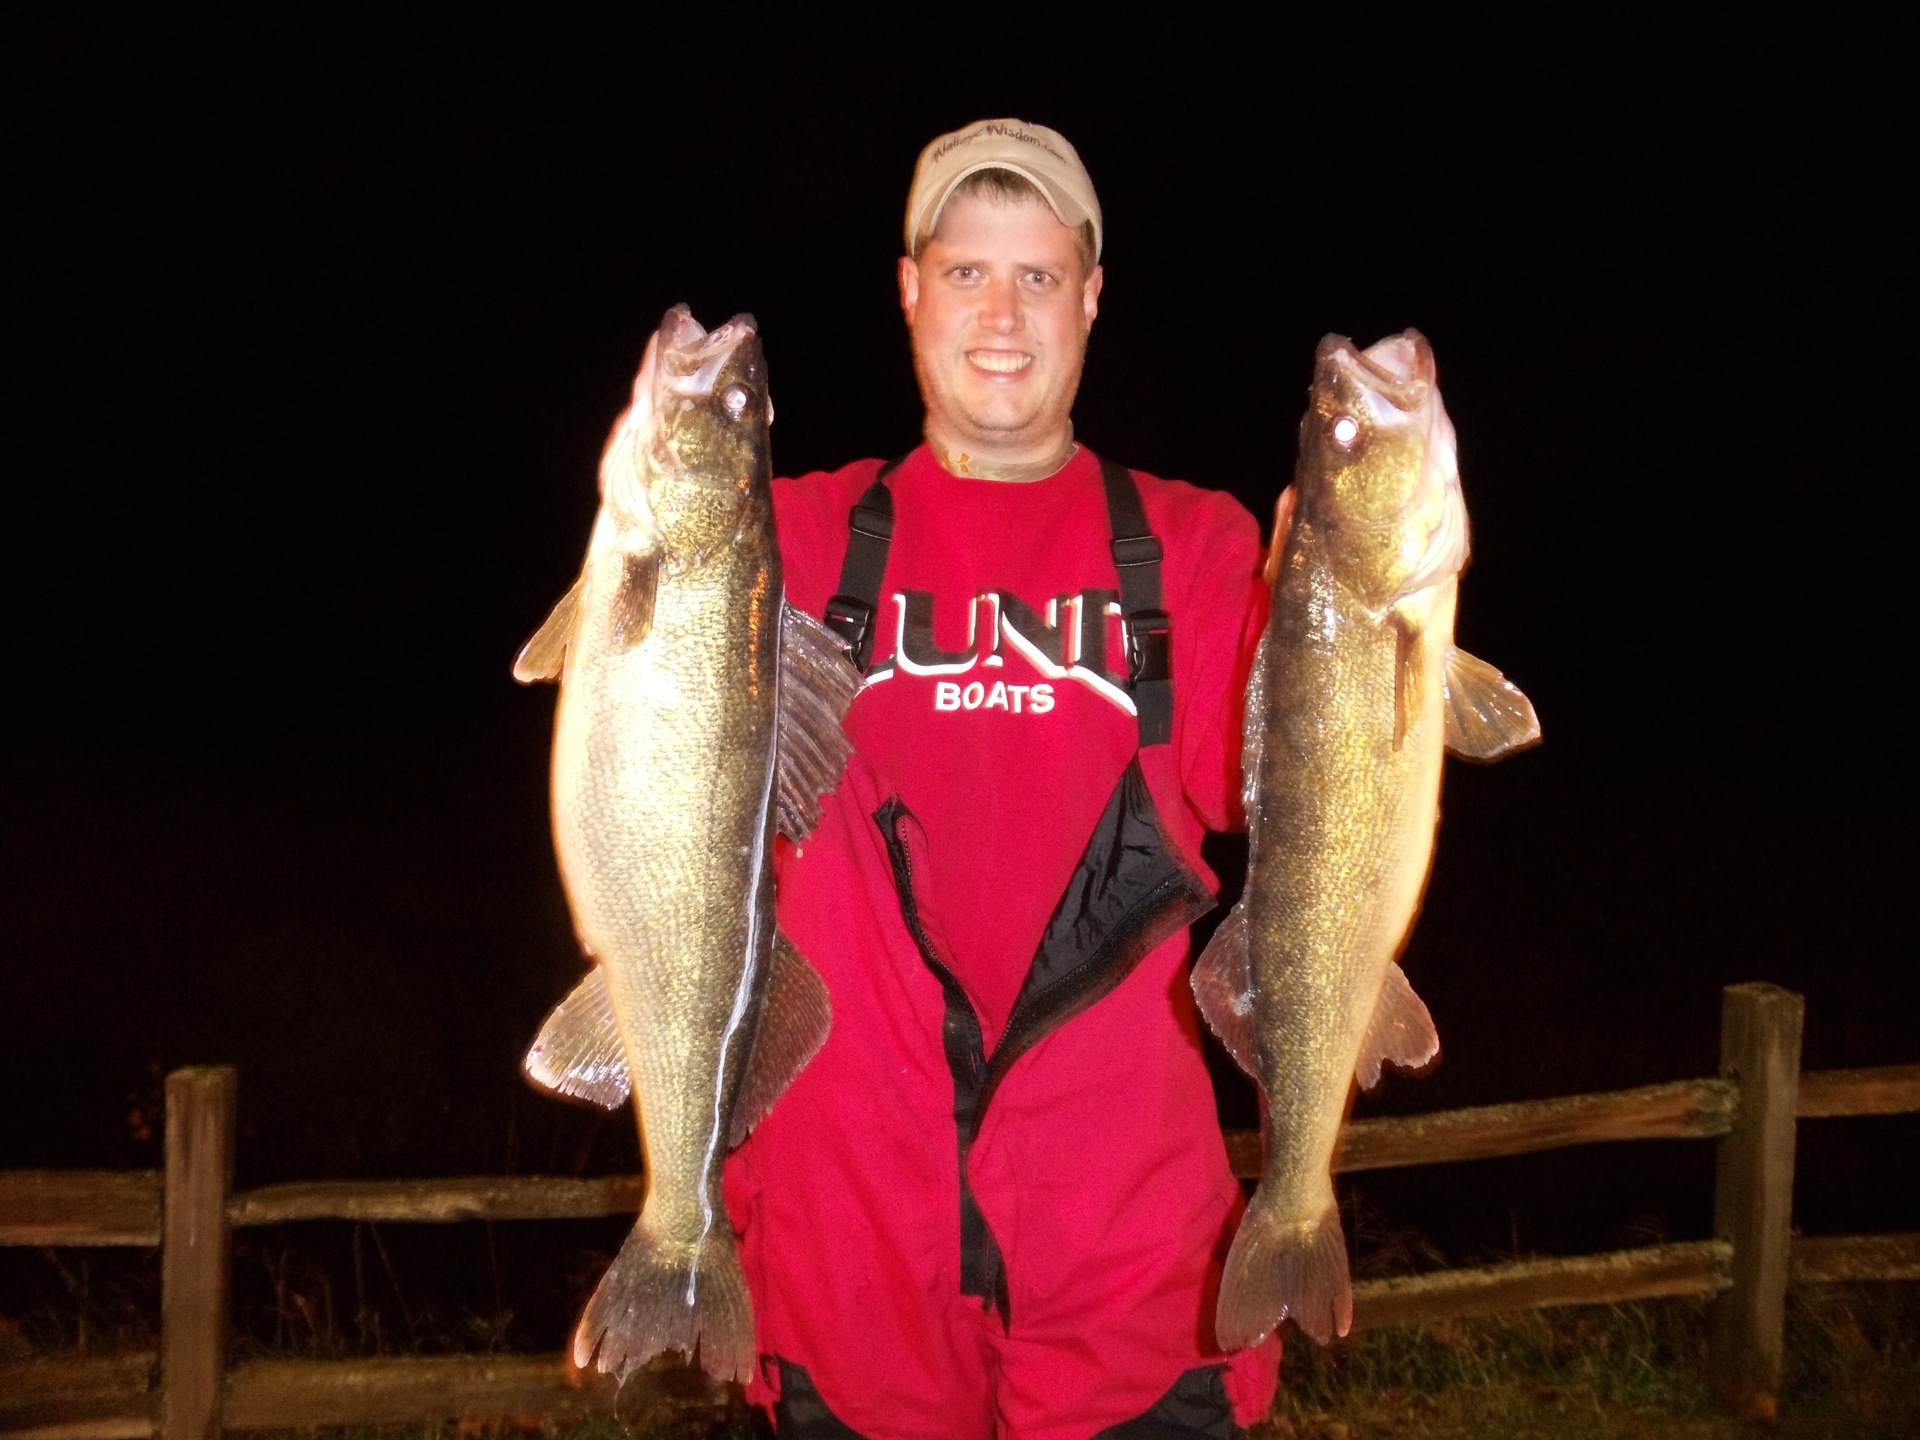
x=1379, y=473
x=692, y=451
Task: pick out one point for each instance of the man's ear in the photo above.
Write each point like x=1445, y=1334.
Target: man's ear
x=1090, y=293
x=909, y=286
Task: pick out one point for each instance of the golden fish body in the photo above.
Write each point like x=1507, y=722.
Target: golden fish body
x=1350, y=709
x=661, y=823
x=666, y=796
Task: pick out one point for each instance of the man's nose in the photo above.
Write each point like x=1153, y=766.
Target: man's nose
x=1000, y=306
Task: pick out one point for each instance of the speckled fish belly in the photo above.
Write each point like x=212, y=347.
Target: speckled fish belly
x=1356, y=692
x=697, y=715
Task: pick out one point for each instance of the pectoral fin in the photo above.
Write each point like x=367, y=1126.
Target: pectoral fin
x=1400, y=1033
x=795, y=1016
x=579, y=1051
x=1487, y=716
x=633, y=606
x=545, y=655
x=1223, y=986
x=1407, y=677
x=816, y=686
x=1282, y=527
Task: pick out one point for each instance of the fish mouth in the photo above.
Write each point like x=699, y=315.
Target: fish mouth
x=693, y=363
x=691, y=356
x=1399, y=369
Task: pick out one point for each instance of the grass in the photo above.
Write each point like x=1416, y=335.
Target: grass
x=1627, y=1372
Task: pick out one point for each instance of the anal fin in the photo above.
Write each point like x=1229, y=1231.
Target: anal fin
x=1400, y=1033
x=1487, y=716
x=1223, y=986
x=795, y=1016
x=579, y=1051
x=816, y=686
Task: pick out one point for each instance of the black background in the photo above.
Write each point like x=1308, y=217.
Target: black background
x=316, y=318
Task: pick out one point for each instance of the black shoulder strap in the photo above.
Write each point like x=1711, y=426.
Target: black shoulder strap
x=1136, y=556
x=869, y=536
x=1148, y=629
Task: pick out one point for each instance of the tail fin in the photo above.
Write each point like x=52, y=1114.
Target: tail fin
x=1281, y=1266
x=661, y=1295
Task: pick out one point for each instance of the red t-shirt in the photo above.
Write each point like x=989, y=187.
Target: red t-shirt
x=992, y=712
x=996, y=704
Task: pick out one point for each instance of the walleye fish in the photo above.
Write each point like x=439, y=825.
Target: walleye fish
x=1356, y=691
x=698, y=713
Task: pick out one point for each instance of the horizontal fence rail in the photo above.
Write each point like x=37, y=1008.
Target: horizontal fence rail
x=195, y=1393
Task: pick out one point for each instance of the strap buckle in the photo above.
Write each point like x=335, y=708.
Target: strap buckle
x=1149, y=646
x=852, y=620
x=874, y=523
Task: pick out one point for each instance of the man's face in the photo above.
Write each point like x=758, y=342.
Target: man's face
x=999, y=311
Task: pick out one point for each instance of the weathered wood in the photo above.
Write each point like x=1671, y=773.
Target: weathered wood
x=108, y=1397
x=1698, y=1267
x=79, y=1207
x=194, y=1251
x=478, y=1197
x=1680, y=1110
x=1753, y=1193
x=1882, y=1090
x=1826, y=1259
x=284, y=1393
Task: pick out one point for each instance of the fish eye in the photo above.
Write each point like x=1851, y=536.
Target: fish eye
x=1346, y=430
x=735, y=399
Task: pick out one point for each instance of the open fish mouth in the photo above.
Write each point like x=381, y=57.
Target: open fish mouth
x=1399, y=369
x=716, y=371
x=692, y=357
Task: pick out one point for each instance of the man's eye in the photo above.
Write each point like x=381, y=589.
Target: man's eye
x=1039, y=279
x=965, y=272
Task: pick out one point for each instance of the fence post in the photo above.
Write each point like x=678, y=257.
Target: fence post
x=193, y=1251
x=1753, y=1192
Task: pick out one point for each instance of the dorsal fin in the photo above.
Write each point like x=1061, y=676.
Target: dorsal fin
x=1223, y=986
x=1253, y=733
x=817, y=683
x=795, y=1016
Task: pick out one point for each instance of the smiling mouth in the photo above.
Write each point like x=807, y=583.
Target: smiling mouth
x=1000, y=362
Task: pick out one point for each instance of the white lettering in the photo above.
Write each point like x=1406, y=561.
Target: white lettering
x=997, y=697
x=1042, y=699
x=1019, y=693
x=946, y=695
x=973, y=695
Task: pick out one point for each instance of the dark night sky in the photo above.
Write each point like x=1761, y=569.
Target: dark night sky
x=314, y=326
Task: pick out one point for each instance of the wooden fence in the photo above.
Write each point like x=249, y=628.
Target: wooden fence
x=189, y=1210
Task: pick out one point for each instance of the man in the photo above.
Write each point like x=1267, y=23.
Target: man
x=997, y=1200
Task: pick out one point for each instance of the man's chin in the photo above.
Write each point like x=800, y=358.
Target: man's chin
x=1001, y=424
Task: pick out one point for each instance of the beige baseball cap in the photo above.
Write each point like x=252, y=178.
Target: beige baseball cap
x=1034, y=152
